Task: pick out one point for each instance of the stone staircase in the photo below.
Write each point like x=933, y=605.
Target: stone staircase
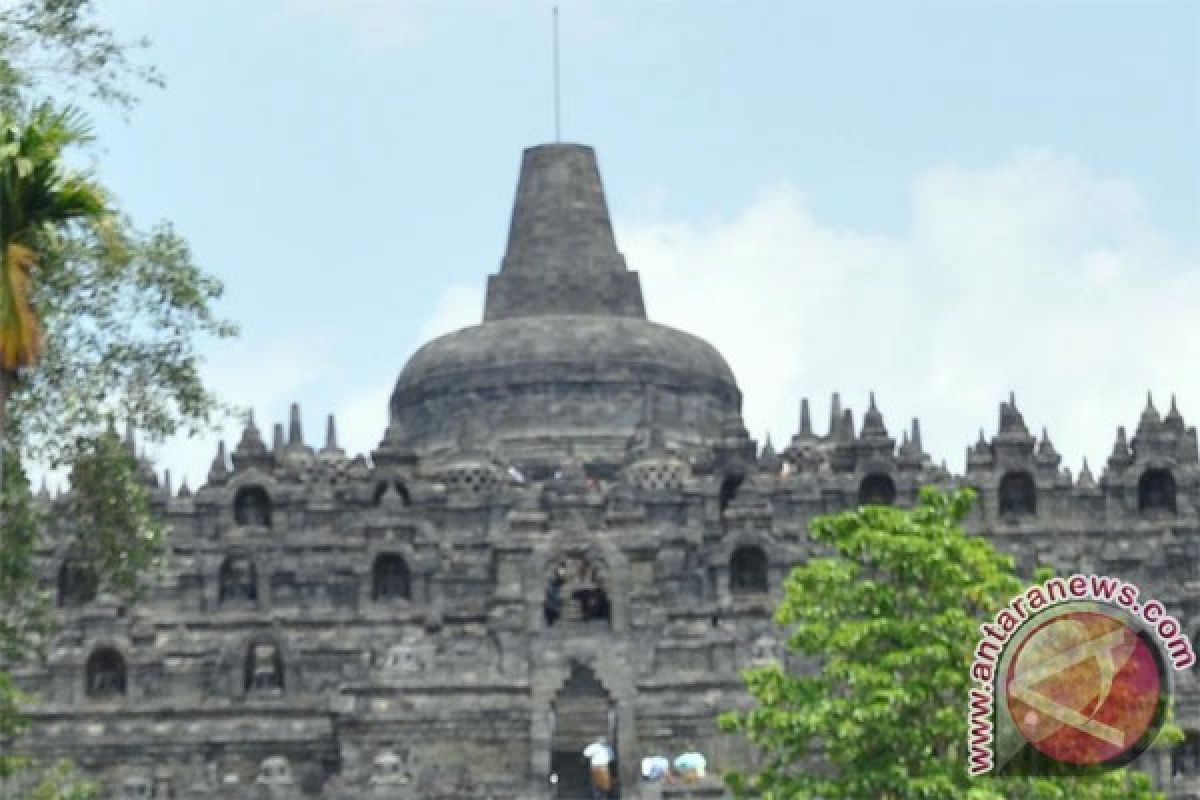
x=578, y=723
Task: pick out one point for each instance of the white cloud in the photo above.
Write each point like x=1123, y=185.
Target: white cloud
x=1036, y=275
x=460, y=306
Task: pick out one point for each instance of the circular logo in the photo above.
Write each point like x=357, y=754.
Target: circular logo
x=1086, y=688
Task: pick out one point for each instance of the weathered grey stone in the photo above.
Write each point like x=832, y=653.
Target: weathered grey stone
x=328, y=627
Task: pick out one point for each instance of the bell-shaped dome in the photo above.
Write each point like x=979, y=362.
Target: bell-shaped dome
x=565, y=352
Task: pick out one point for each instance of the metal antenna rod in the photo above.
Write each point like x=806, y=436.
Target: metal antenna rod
x=557, y=103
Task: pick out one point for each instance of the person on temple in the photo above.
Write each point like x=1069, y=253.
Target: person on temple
x=600, y=755
x=600, y=607
x=552, y=608
x=655, y=769
x=691, y=765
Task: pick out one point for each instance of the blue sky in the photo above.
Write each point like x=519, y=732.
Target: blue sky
x=937, y=201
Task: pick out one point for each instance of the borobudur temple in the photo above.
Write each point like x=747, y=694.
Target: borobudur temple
x=565, y=531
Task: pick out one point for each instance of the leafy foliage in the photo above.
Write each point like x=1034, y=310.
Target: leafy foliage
x=38, y=198
x=119, y=536
x=123, y=311
x=103, y=319
x=58, y=781
x=123, y=540
x=57, y=46
x=22, y=611
x=23, y=617
x=890, y=619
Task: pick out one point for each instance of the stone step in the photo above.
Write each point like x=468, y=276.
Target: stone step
x=576, y=727
x=575, y=741
x=585, y=708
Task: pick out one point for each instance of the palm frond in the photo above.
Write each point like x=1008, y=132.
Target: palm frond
x=38, y=196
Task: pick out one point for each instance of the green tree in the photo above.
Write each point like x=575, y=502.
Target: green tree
x=39, y=199
x=108, y=318
x=889, y=621
x=24, y=621
x=58, y=48
x=121, y=313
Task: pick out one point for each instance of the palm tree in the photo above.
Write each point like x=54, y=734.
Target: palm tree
x=39, y=196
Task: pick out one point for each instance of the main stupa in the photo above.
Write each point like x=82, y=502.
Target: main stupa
x=565, y=354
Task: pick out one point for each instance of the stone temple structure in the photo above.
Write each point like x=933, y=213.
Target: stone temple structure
x=565, y=532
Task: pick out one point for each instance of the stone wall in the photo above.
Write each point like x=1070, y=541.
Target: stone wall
x=384, y=626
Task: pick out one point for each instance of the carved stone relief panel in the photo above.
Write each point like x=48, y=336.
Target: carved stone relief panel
x=413, y=654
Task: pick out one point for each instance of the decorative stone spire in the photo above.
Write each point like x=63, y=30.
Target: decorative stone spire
x=1012, y=423
x=562, y=257
x=843, y=455
x=277, y=441
x=1086, y=481
x=1150, y=421
x=770, y=461
x=184, y=491
x=806, y=430
x=1174, y=420
x=1046, y=452
x=296, y=450
x=218, y=473
x=845, y=429
x=980, y=455
x=331, y=451
x=331, y=434
x=911, y=453
x=250, y=450
x=295, y=432
x=873, y=427
x=835, y=414
x=166, y=483
x=804, y=442
x=1121, y=456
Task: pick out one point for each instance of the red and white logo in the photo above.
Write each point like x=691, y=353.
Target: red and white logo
x=1084, y=688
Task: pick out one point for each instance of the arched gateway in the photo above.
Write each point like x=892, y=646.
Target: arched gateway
x=582, y=712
